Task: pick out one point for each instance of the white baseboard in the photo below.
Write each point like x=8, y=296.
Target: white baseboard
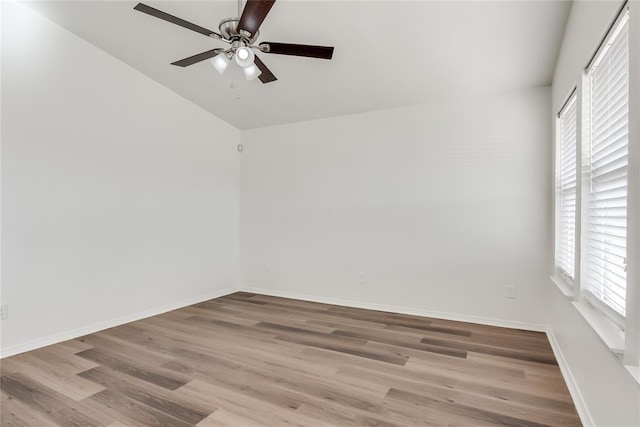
x=398, y=309
x=86, y=330
x=574, y=390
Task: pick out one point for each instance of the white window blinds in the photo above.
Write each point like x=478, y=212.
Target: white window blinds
x=566, y=190
x=605, y=277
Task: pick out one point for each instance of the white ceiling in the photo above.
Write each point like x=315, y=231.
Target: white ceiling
x=387, y=53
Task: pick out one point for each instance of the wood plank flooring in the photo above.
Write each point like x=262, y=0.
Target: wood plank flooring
x=249, y=360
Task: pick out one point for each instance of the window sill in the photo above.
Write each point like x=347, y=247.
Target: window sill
x=563, y=286
x=610, y=335
x=635, y=373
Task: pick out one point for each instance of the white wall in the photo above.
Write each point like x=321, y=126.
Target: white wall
x=441, y=206
x=610, y=395
x=119, y=197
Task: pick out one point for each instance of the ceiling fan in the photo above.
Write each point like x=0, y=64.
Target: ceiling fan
x=241, y=34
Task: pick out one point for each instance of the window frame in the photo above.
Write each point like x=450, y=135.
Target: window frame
x=624, y=344
x=622, y=18
x=571, y=101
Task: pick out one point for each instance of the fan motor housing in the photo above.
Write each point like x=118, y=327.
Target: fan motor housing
x=229, y=29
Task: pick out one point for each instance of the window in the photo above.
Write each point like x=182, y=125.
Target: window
x=605, y=160
x=566, y=190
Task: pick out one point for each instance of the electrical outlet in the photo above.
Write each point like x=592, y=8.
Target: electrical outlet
x=362, y=278
x=4, y=311
x=266, y=269
x=511, y=292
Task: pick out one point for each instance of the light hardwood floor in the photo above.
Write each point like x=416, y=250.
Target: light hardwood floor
x=246, y=360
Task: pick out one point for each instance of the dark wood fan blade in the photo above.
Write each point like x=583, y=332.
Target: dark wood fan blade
x=253, y=15
x=322, y=52
x=198, y=58
x=266, y=76
x=175, y=20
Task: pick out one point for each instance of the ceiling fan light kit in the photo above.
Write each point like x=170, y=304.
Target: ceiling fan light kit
x=241, y=33
x=220, y=62
x=244, y=56
x=251, y=72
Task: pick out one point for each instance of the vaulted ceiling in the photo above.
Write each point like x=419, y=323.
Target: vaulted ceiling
x=387, y=53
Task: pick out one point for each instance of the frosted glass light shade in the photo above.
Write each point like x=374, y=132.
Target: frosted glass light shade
x=244, y=56
x=251, y=72
x=220, y=62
